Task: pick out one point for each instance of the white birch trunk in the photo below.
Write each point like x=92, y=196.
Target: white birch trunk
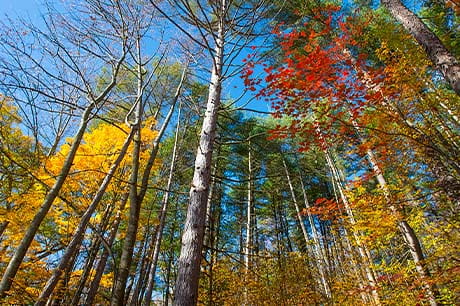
x=318, y=257
x=186, y=291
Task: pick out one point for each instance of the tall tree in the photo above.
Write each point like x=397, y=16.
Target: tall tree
x=219, y=24
x=95, y=99
x=441, y=57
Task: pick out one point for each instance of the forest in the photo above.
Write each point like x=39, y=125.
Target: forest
x=230, y=152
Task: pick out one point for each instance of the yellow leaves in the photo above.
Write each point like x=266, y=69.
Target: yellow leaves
x=24, y=207
x=107, y=280
x=405, y=65
x=374, y=219
x=8, y=112
x=270, y=282
x=99, y=149
x=28, y=283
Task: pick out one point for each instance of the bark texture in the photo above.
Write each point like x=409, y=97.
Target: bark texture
x=18, y=257
x=192, y=237
x=164, y=208
x=443, y=60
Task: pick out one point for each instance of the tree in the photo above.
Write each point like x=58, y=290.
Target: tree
x=94, y=99
x=441, y=57
x=216, y=27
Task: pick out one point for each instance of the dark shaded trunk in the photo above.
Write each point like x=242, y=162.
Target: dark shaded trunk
x=94, y=286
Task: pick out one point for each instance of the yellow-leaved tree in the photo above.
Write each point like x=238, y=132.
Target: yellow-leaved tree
x=95, y=157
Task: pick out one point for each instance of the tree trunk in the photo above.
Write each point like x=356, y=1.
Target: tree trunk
x=319, y=250
x=164, y=208
x=186, y=292
x=143, y=264
x=362, y=249
x=249, y=216
x=296, y=205
x=134, y=201
x=80, y=231
x=3, y=227
x=94, y=286
x=406, y=230
x=170, y=260
x=443, y=60
x=92, y=255
x=18, y=257
x=317, y=255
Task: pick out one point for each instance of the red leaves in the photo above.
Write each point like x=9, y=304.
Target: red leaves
x=310, y=78
x=315, y=76
x=325, y=209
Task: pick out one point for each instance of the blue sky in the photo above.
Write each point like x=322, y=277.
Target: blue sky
x=30, y=9
x=21, y=8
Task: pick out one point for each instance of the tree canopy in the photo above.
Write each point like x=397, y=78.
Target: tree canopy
x=230, y=153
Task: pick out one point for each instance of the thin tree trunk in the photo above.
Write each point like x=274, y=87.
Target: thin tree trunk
x=164, y=208
x=249, y=216
x=318, y=247
x=18, y=257
x=214, y=239
x=318, y=257
x=363, y=252
x=353, y=260
x=285, y=227
x=248, y=249
x=443, y=60
x=94, y=286
x=296, y=205
x=136, y=196
x=3, y=227
x=240, y=231
x=94, y=250
x=186, y=292
x=207, y=230
x=134, y=201
x=79, y=232
x=170, y=259
x=143, y=265
x=407, y=231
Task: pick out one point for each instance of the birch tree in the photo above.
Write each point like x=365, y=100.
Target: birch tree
x=224, y=29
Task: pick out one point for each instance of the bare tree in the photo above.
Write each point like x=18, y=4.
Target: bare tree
x=137, y=196
x=55, y=60
x=163, y=211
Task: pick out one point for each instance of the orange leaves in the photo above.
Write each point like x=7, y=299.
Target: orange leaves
x=325, y=209
x=315, y=77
